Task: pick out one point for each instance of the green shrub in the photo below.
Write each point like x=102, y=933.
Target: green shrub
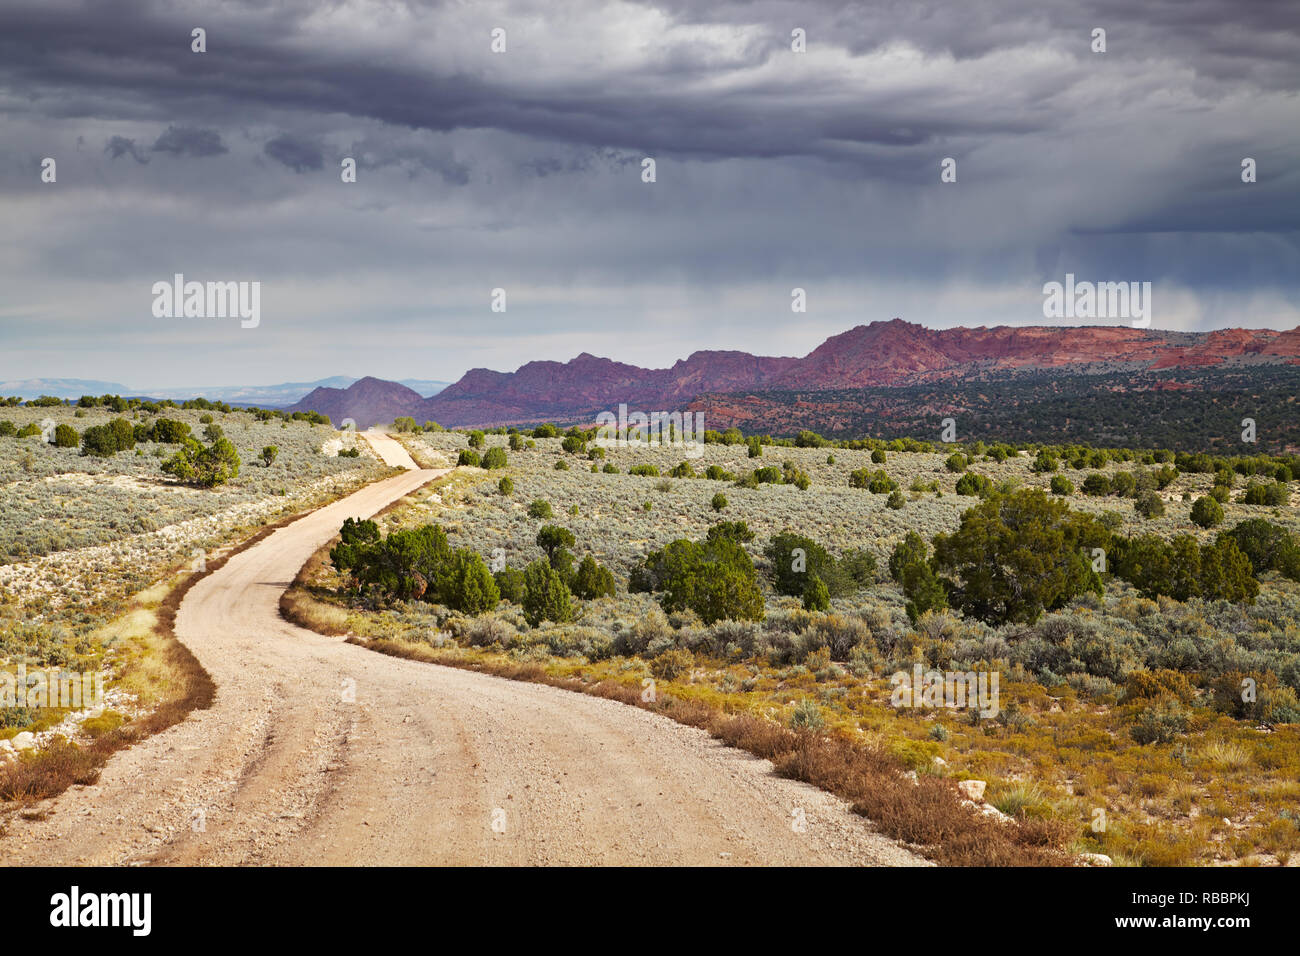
x=1123, y=484
x=465, y=584
x=407, y=565
x=1096, y=485
x=714, y=578
x=1181, y=569
x=510, y=584
x=592, y=580
x=718, y=502
x=1044, y=462
x=494, y=457
x=807, y=716
x=1062, y=485
x=103, y=441
x=202, y=467
x=1274, y=495
x=1160, y=723
x=1149, y=505
x=468, y=456
x=65, y=436
x=672, y=664
x=877, y=482
x=1268, y=547
x=539, y=509
x=546, y=596
x=971, y=484
x=1017, y=554
x=1206, y=512
x=506, y=486
x=553, y=539
x=816, y=597
x=169, y=431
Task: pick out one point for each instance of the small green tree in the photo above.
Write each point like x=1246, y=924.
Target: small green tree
x=494, y=457
x=552, y=539
x=546, y=597
x=1045, y=462
x=203, y=467
x=1206, y=512
x=1149, y=505
x=1062, y=485
x=816, y=597
x=1018, y=554
x=510, y=583
x=65, y=436
x=718, y=502
x=923, y=590
x=269, y=454
x=465, y=584
x=591, y=580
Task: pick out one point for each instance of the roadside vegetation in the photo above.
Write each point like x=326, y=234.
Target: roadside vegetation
x=1149, y=659
x=110, y=505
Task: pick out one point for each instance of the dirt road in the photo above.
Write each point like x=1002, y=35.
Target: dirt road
x=321, y=752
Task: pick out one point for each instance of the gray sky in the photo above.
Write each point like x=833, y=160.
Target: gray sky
x=522, y=170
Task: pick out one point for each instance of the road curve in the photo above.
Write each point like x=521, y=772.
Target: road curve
x=321, y=752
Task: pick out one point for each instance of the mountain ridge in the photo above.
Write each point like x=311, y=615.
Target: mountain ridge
x=880, y=354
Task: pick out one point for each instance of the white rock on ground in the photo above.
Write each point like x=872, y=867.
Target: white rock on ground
x=1094, y=859
x=24, y=741
x=972, y=789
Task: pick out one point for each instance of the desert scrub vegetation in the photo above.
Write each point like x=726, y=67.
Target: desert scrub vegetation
x=58, y=499
x=1090, y=717
x=81, y=533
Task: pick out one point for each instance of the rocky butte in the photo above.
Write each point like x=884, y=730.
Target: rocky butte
x=881, y=354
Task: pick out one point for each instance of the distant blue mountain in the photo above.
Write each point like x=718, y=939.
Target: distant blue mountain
x=271, y=396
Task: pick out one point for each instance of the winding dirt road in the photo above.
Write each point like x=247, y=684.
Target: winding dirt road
x=321, y=752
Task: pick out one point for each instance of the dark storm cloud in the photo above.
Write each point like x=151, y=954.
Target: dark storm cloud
x=120, y=146
x=252, y=65
x=774, y=168
x=382, y=155
x=299, y=155
x=187, y=141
